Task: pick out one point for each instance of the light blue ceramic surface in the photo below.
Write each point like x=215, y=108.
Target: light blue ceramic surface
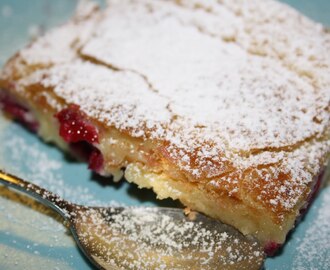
x=33, y=238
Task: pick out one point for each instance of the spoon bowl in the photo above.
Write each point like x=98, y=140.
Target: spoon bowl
x=149, y=238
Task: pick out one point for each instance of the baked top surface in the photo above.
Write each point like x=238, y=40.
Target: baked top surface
x=207, y=80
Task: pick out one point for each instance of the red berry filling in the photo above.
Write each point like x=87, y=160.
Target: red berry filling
x=95, y=160
x=20, y=113
x=74, y=128
x=271, y=248
x=88, y=153
x=81, y=135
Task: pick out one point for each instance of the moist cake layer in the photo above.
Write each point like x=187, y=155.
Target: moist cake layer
x=223, y=105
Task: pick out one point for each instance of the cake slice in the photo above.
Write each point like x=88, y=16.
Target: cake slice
x=223, y=105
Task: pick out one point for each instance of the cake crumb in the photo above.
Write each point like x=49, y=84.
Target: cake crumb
x=190, y=213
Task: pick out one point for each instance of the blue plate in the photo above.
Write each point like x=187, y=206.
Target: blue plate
x=32, y=237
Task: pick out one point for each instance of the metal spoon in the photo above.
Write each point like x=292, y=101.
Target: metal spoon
x=148, y=238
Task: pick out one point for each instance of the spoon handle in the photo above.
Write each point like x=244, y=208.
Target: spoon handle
x=44, y=196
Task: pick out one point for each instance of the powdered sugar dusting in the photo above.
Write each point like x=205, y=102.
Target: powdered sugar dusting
x=115, y=86
x=208, y=81
x=58, y=43
x=202, y=71
x=314, y=248
x=151, y=238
